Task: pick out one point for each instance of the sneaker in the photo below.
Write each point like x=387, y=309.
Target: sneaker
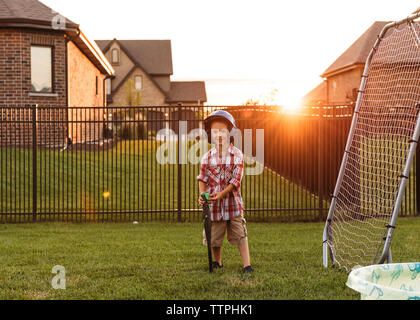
x=248, y=269
x=216, y=265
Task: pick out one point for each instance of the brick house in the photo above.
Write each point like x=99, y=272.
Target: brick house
x=45, y=59
x=142, y=75
x=341, y=80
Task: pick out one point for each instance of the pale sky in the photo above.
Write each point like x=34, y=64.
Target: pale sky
x=242, y=49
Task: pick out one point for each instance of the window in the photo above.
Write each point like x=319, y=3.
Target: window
x=41, y=69
x=115, y=56
x=138, y=80
x=108, y=86
x=96, y=85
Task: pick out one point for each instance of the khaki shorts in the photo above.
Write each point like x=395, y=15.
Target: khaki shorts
x=236, y=232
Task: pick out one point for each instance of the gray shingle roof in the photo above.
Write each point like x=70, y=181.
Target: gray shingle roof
x=358, y=52
x=29, y=12
x=154, y=56
x=187, y=91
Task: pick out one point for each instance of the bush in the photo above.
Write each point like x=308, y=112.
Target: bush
x=136, y=131
x=108, y=133
x=125, y=132
x=141, y=131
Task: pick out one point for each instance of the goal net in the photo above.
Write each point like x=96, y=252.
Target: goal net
x=379, y=151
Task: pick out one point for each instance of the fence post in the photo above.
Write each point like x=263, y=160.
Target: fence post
x=34, y=163
x=320, y=167
x=179, y=164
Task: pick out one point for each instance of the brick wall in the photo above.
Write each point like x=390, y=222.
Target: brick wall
x=15, y=66
x=15, y=89
x=82, y=93
x=82, y=83
x=15, y=85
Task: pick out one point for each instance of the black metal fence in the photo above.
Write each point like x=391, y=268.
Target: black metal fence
x=105, y=163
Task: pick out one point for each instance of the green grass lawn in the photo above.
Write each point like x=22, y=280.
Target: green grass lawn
x=167, y=261
x=132, y=179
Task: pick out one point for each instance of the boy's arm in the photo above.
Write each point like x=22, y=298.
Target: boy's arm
x=237, y=174
x=202, y=180
x=220, y=195
x=202, y=177
x=202, y=186
x=228, y=189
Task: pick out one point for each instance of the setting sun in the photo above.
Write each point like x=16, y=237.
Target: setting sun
x=289, y=102
x=291, y=108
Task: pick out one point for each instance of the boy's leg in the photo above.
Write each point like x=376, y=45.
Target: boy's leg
x=217, y=254
x=238, y=235
x=244, y=251
x=218, y=230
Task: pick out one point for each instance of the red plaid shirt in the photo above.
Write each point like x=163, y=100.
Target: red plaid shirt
x=218, y=172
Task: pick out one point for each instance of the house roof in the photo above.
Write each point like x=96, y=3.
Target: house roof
x=154, y=56
x=35, y=14
x=92, y=51
x=358, y=52
x=187, y=91
x=29, y=12
x=316, y=96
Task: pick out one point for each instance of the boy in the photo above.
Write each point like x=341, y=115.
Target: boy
x=220, y=175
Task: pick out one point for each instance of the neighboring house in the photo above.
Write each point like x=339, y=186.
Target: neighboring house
x=45, y=59
x=342, y=78
x=142, y=75
x=317, y=96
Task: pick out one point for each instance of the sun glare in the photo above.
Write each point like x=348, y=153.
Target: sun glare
x=289, y=105
x=288, y=102
x=290, y=109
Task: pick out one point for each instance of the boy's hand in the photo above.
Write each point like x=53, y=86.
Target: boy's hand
x=216, y=196
x=200, y=201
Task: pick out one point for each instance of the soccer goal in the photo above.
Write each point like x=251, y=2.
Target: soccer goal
x=380, y=147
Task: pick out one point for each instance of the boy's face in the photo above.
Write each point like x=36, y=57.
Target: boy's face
x=219, y=133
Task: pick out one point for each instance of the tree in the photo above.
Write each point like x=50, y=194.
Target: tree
x=133, y=96
x=268, y=99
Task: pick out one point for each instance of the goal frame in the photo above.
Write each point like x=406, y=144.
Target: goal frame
x=386, y=252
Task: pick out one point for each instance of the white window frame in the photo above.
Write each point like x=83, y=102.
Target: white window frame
x=141, y=82
x=115, y=61
x=51, y=71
